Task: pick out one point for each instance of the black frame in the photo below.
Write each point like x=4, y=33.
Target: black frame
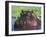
x=7, y=17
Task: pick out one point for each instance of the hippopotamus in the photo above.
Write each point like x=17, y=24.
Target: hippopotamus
x=28, y=21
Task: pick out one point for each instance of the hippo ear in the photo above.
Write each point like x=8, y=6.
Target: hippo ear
x=22, y=11
x=32, y=11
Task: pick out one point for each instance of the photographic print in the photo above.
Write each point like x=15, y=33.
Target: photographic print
x=24, y=18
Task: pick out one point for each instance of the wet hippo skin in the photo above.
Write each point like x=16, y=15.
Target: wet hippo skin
x=28, y=21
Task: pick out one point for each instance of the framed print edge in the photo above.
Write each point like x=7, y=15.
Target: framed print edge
x=7, y=18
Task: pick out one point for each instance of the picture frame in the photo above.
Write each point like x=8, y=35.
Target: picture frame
x=8, y=14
